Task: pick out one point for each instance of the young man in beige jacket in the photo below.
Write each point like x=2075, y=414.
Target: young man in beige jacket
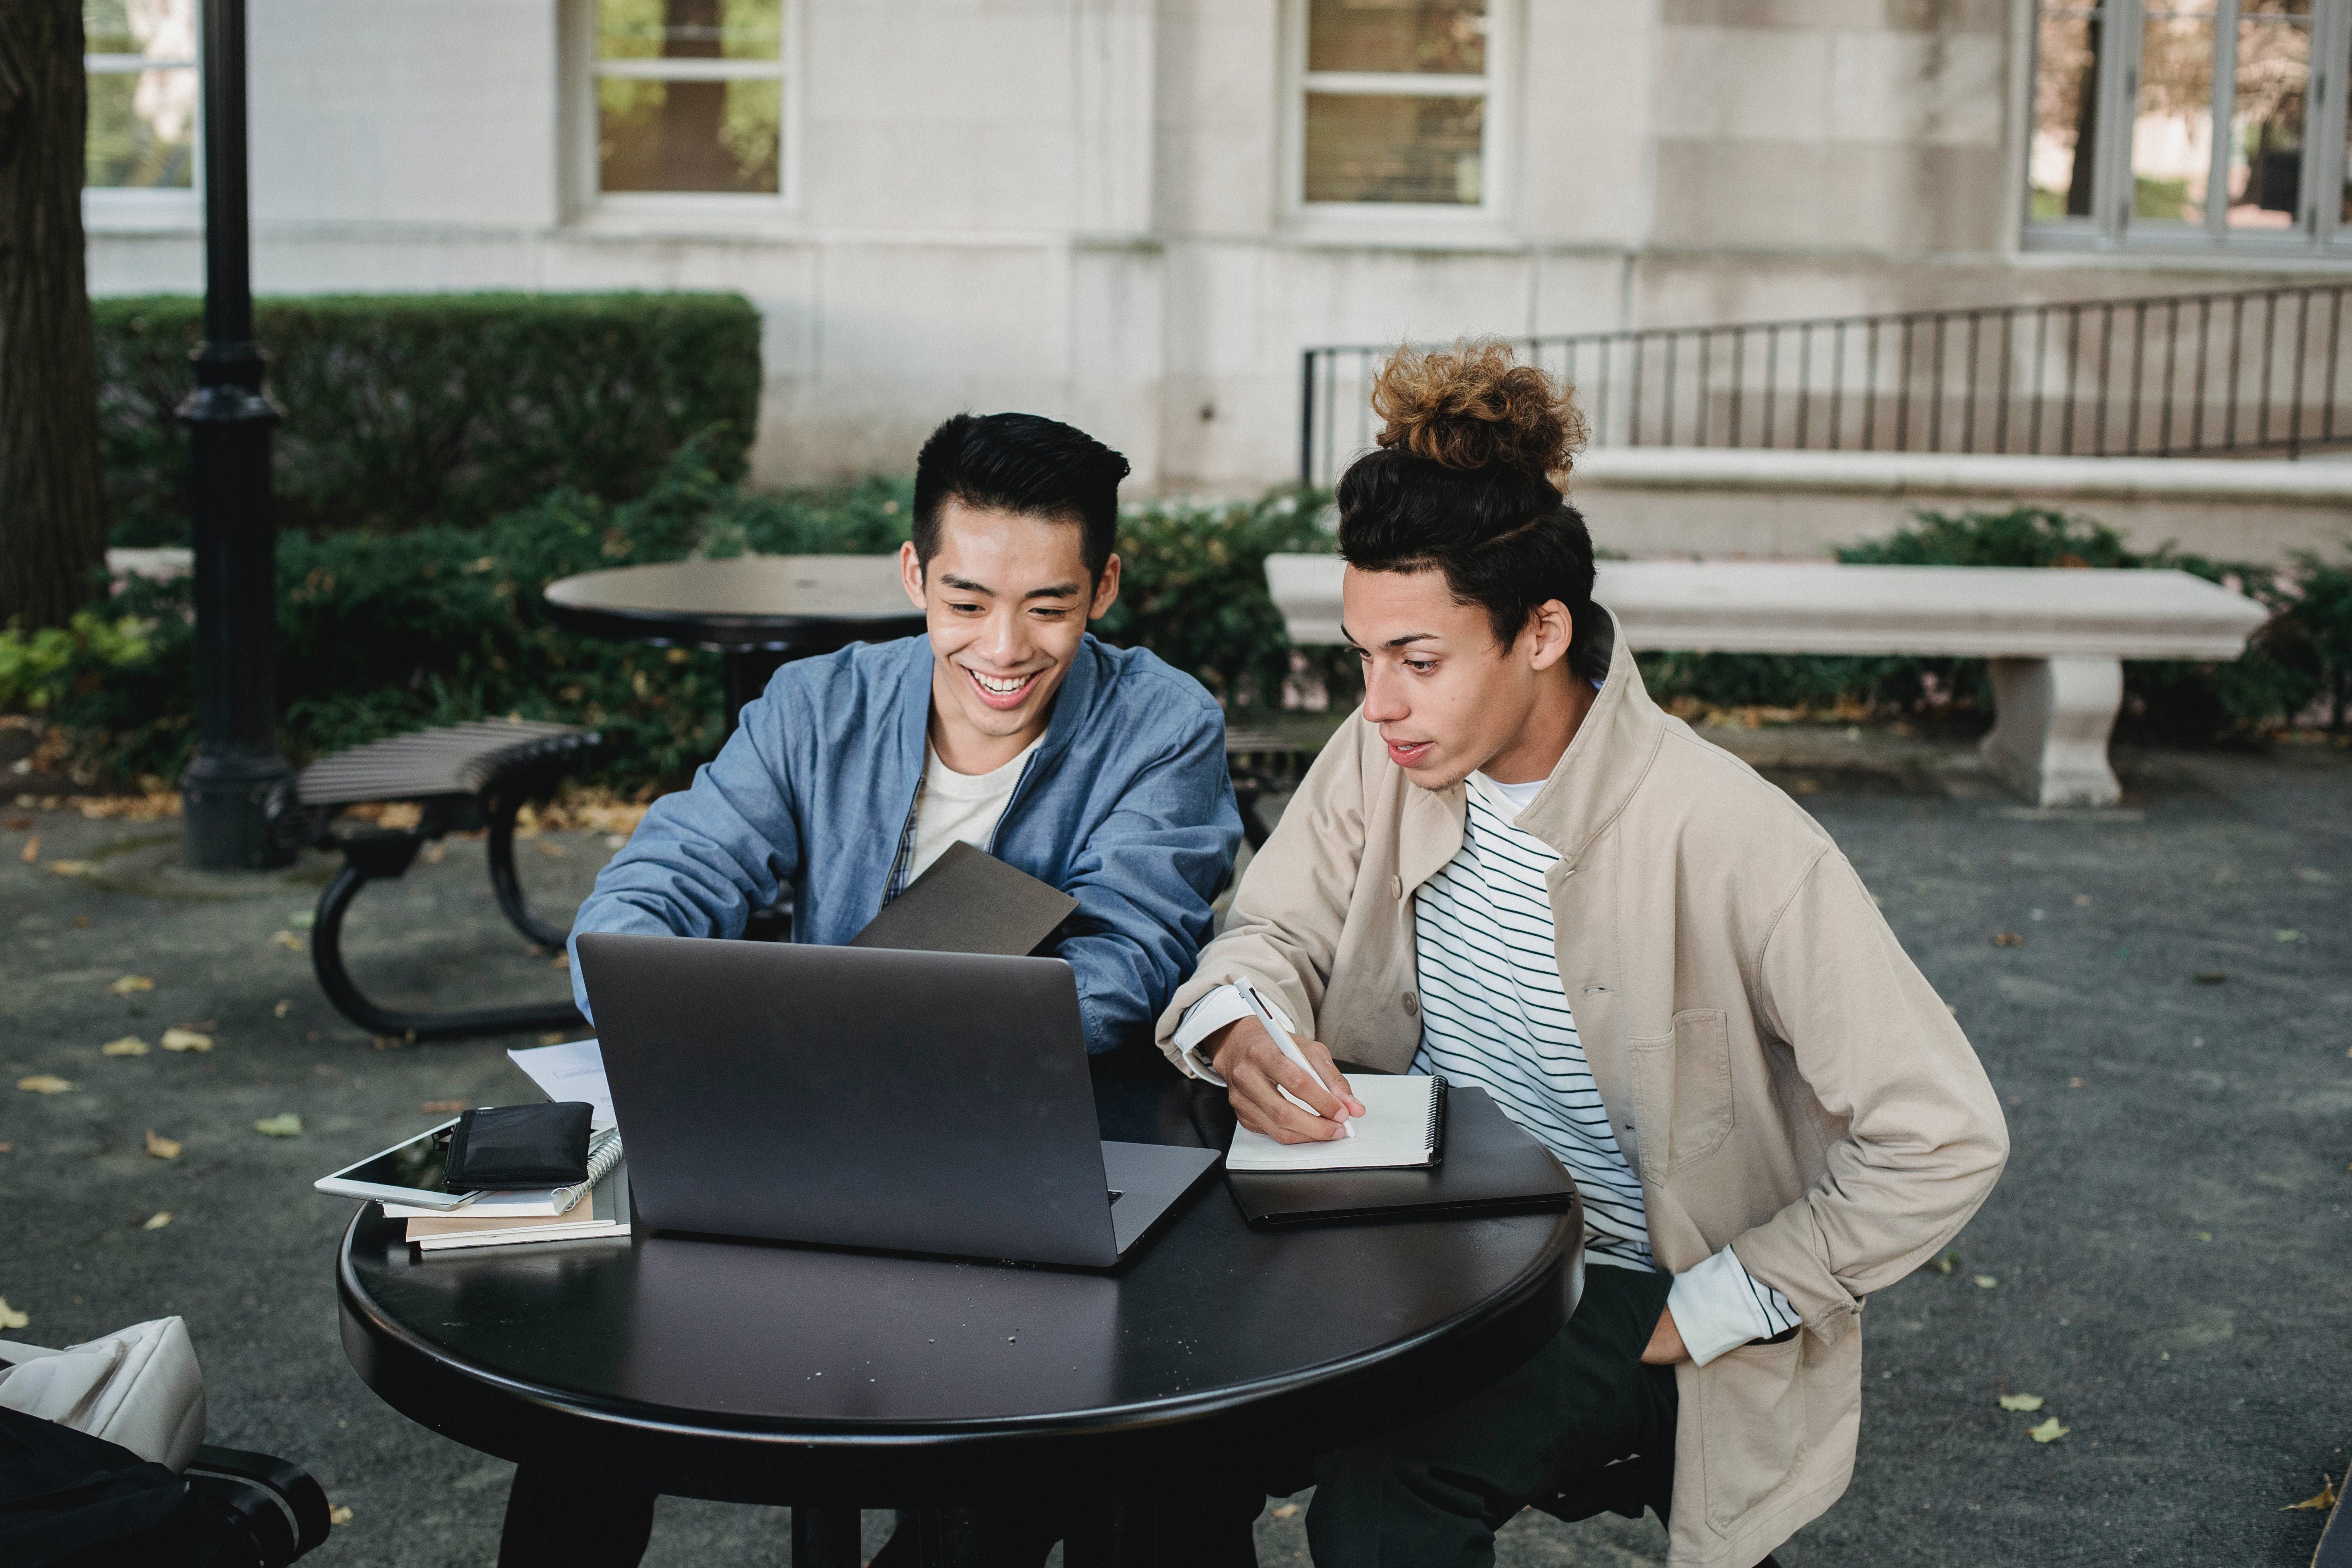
x=1512, y=867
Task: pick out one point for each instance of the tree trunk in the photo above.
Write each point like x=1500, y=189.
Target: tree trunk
x=52, y=510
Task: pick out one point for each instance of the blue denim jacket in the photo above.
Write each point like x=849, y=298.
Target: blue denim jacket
x=1126, y=806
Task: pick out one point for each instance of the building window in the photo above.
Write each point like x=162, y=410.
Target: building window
x=2191, y=124
x=140, y=55
x=689, y=95
x=1396, y=104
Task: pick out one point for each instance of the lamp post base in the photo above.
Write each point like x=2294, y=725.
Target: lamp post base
x=225, y=795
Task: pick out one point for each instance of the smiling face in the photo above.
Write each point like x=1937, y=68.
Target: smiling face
x=1446, y=696
x=1007, y=598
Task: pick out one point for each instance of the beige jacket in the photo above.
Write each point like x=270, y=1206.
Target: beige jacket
x=1779, y=1073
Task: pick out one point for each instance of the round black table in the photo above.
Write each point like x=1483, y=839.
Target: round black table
x=829, y=1380
x=756, y=611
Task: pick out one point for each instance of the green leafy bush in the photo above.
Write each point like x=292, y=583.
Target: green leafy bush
x=404, y=411
x=2302, y=653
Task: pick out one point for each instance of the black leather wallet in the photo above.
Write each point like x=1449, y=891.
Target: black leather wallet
x=501, y=1147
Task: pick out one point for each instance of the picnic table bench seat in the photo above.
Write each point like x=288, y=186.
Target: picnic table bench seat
x=462, y=777
x=2056, y=638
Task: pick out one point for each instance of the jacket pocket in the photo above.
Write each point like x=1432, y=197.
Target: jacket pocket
x=1682, y=1087
x=1752, y=1416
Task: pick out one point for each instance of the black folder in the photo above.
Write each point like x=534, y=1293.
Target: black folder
x=969, y=901
x=1492, y=1166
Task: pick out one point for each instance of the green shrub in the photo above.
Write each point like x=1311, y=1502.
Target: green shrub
x=2302, y=653
x=405, y=411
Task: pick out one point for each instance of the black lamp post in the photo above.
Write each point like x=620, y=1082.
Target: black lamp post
x=236, y=764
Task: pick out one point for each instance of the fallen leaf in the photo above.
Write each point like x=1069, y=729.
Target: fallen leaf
x=2048, y=1432
x=339, y=1514
x=162, y=1148
x=7, y=1148
x=158, y=1220
x=552, y=850
x=2007, y=939
x=43, y=1083
x=552, y=1038
x=287, y=1125
x=12, y=1318
x=614, y=841
x=130, y=983
x=2020, y=1401
x=434, y=851
x=1945, y=1264
x=177, y=1038
x=282, y=1009
x=68, y=868
x=128, y=1045
x=31, y=852
x=1287, y=1511
x=17, y=824
x=81, y=922
x=2286, y=936
x=2319, y=1501
x=1987, y=1281
x=2211, y=977
x=2082, y=900
x=302, y=919
x=287, y=940
x=441, y=1107
x=2204, y=1236
x=2075, y=1082
x=560, y=961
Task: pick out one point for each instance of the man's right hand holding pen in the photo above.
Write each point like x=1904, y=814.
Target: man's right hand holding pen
x=1255, y=1073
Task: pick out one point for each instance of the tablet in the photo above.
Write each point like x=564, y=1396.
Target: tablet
x=406, y=1172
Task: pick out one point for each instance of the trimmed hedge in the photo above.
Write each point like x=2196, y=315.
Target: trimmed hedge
x=409, y=411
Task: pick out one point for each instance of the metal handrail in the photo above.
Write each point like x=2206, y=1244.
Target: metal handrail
x=2257, y=369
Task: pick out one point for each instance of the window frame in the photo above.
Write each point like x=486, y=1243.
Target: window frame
x=582, y=70
x=114, y=207
x=1496, y=147
x=2320, y=228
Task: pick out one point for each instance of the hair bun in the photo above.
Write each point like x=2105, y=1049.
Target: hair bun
x=1477, y=407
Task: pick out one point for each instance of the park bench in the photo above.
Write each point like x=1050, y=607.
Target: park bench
x=2056, y=639
x=461, y=777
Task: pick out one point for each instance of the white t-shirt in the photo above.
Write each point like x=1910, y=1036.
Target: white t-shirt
x=960, y=806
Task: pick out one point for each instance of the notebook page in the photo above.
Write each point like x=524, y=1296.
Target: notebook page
x=1393, y=1131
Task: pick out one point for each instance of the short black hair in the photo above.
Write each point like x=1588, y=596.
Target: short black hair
x=1507, y=540
x=1021, y=463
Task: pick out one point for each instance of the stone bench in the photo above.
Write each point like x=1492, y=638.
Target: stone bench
x=2057, y=638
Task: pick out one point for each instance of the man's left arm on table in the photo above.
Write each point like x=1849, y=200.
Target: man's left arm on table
x=1144, y=880
x=1924, y=1142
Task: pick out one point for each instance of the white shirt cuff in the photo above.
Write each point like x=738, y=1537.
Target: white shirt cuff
x=1718, y=1307
x=1206, y=1016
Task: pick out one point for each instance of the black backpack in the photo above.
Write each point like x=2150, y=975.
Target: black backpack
x=71, y=1501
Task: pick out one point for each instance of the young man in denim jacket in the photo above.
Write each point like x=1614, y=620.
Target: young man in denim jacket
x=1098, y=770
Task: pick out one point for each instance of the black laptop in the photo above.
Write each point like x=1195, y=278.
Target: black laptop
x=932, y=1103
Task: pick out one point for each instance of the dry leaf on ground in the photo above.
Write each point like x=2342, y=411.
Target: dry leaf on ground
x=551, y=1037
x=12, y=1318
x=162, y=1148
x=31, y=852
x=552, y=850
x=287, y=940
x=1945, y=1264
x=128, y=1045
x=2020, y=1401
x=2319, y=1501
x=560, y=961
x=69, y=867
x=282, y=1008
x=441, y=1107
x=17, y=824
x=2286, y=936
x=2007, y=939
x=180, y=1038
x=1287, y=1511
x=157, y=1220
x=339, y=1514
x=2048, y=1432
x=287, y=1125
x=1987, y=1281
x=132, y=982
x=43, y=1083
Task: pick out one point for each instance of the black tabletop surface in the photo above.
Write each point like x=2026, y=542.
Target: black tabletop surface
x=796, y=603
x=788, y=1374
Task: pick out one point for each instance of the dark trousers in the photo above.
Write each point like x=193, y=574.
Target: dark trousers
x=1432, y=1495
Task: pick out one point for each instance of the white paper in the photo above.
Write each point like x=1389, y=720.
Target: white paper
x=573, y=1071
x=1392, y=1132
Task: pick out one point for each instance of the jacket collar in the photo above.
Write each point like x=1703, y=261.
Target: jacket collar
x=1605, y=763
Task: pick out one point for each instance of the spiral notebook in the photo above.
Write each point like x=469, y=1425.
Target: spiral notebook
x=1402, y=1129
